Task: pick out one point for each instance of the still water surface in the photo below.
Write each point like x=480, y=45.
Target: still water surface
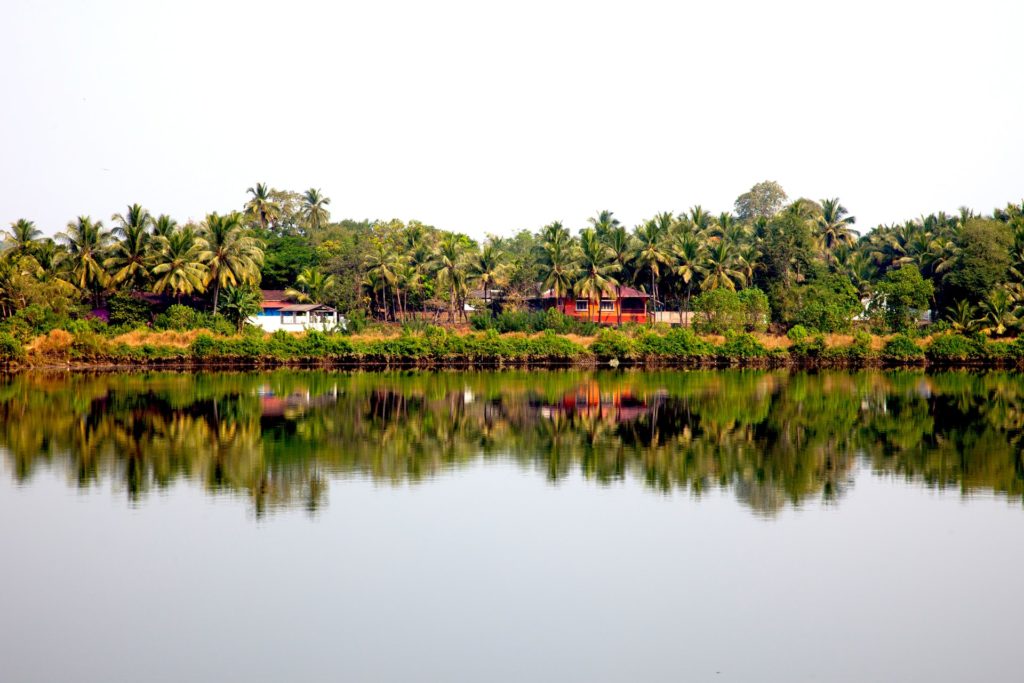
x=511, y=526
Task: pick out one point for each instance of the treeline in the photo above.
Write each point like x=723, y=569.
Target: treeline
x=800, y=261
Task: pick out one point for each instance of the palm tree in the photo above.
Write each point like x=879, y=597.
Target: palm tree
x=130, y=255
x=87, y=243
x=163, y=226
x=488, y=268
x=261, y=207
x=383, y=263
x=310, y=286
x=1000, y=312
x=179, y=265
x=314, y=208
x=620, y=251
x=448, y=267
x=239, y=304
x=699, y=218
x=650, y=254
x=833, y=227
x=961, y=316
x=558, y=266
x=595, y=268
x=231, y=256
x=135, y=216
x=22, y=237
x=603, y=223
x=722, y=270
x=688, y=256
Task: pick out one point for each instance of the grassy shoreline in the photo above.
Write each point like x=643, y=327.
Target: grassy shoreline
x=441, y=348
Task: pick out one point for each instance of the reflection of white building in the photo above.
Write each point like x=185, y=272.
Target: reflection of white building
x=280, y=314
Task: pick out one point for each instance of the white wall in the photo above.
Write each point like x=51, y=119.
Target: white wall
x=301, y=322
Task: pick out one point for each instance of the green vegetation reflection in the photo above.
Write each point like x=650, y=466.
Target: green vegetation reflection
x=772, y=438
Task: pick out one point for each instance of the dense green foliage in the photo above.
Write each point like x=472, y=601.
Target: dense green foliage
x=773, y=261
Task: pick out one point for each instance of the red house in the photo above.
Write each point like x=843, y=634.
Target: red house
x=632, y=302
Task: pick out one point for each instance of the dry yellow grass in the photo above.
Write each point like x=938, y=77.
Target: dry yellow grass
x=172, y=338
x=54, y=343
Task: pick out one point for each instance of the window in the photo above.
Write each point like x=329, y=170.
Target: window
x=582, y=305
x=607, y=305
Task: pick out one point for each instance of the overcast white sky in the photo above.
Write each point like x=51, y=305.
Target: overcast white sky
x=490, y=117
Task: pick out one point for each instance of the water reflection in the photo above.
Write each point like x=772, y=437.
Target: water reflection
x=773, y=438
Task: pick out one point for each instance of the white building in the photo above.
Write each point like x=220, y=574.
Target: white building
x=280, y=314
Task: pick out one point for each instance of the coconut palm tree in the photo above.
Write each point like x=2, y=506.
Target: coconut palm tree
x=163, y=226
x=961, y=316
x=1000, y=312
x=722, y=269
x=135, y=216
x=22, y=237
x=603, y=223
x=596, y=269
x=558, y=266
x=231, y=256
x=87, y=242
x=833, y=227
x=261, y=207
x=383, y=262
x=489, y=269
x=239, y=304
x=688, y=261
x=700, y=220
x=130, y=255
x=620, y=250
x=314, y=209
x=178, y=263
x=650, y=253
x=310, y=286
x=448, y=267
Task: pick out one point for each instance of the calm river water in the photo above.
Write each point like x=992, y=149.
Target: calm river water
x=513, y=526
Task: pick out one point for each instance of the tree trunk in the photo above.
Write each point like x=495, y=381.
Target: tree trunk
x=216, y=294
x=618, y=303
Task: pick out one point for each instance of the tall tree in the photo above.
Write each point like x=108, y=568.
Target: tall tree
x=314, y=209
x=22, y=237
x=596, y=270
x=489, y=269
x=723, y=270
x=763, y=200
x=232, y=257
x=834, y=228
x=87, y=242
x=178, y=263
x=261, y=206
x=651, y=254
x=130, y=255
x=688, y=262
x=621, y=248
x=449, y=268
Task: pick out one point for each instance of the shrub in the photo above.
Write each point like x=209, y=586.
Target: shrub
x=677, y=344
x=743, y=346
x=56, y=343
x=10, y=348
x=829, y=304
x=178, y=317
x=902, y=348
x=203, y=346
x=901, y=298
x=955, y=347
x=797, y=333
x=128, y=311
x=612, y=344
x=808, y=347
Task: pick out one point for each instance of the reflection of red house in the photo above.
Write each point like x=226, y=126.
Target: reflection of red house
x=633, y=303
x=588, y=401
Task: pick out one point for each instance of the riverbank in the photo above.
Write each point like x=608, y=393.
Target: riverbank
x=437, y=347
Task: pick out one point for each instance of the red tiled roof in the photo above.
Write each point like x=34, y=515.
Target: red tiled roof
x=627, y=293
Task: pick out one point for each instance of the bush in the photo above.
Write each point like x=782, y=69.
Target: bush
x=56, y=343
x=676, y=344
x=743, y=346
x=178, y=317
x=128, y=311
x=902, y=348
x=808, y=347
x=829, y=304
x=612, y=344
x=10, y=348
x=955, y=347
x=797, y=333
